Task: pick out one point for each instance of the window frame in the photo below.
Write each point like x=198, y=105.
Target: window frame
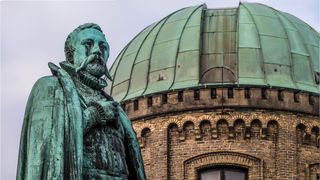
x=222, y=170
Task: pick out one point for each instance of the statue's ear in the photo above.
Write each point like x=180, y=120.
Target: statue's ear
x=69, y=56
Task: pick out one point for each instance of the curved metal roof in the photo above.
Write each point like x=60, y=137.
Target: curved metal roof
x=252, y=45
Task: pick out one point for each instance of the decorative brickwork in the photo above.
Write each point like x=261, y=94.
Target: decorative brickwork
x=254, y=165
x=269, y=143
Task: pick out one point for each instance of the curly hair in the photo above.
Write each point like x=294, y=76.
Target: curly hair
x=68, y=47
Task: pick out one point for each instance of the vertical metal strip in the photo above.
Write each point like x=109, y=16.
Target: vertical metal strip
x=262, y=60
x=178, y=47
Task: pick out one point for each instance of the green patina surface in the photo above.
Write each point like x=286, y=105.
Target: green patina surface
x=252, y=45
x=72, y=129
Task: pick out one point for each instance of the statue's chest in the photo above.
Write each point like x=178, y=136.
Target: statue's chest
x=104, y=150
x=89, y=95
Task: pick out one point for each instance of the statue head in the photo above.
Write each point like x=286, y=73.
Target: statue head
x=87, y=49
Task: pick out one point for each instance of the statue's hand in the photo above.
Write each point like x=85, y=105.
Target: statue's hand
x=107, y=110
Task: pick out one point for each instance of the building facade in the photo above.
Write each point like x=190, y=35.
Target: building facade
x=224, y=94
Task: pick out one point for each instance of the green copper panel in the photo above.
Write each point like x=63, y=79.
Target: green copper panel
x=118, y=90
x=246, y=27
x=171, y=45
x=187, y=60
x=187, y=69
x=259, y=9
x=270, y=49
x=164, y=55
x=159, y=80
x=147, y=45
x=301, y=69
x=255, y=70
x=269, y=26
x=139, y=73
x=128, y=58
x=279, y=75
x=126, y=65
x=310, y=38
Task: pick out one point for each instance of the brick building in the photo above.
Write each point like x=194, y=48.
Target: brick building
x=224, y=94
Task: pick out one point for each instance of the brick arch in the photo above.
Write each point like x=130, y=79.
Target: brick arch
x=173, y=121
x=238, y=120
x=146, y=126
x=251, y=118
x=189, y=119
x=271, y=118
x=218, y=118
x=205, y=117
x=253, y=164
x=144, y=131
x=309, y=126
x=237, y=117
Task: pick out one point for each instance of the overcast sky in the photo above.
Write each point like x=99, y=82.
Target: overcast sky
x=33, y=33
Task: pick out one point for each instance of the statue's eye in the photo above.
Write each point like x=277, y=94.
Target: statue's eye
x=88, y=44
x=102, y=47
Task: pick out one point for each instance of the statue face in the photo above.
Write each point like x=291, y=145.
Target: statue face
x=91, y=43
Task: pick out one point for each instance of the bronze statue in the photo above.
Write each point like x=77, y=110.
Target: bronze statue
x=72, y=129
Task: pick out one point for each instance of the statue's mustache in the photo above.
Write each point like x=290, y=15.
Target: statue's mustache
x=87, y=61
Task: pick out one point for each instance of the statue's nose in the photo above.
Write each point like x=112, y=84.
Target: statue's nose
x=96, y=50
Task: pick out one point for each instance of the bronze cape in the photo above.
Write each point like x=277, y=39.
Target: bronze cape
x=51, y=145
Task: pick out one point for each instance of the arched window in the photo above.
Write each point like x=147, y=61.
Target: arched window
x=255, y=129
x=300, y=133
x=239, y=128
x=223, y=173
x=188, y=129
x=272, y=130
x=205, y=128
x=223, y=131
x=145, y=135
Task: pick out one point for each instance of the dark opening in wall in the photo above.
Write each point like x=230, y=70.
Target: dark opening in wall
x=196, y=94
x=230, y=92
x=311, y=99
x=180, y=96
x=136, y=105
x=149, y=101
x=296, y=97
x=213, y=93
x=164, y=98
x=247, y=93
x=280, y=95
x=264, y=93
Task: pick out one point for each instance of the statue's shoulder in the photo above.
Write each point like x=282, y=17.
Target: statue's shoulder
x=46, y=82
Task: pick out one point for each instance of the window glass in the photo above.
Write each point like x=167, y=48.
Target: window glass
x=223, y=173
x=234, y=175
x=210, y=175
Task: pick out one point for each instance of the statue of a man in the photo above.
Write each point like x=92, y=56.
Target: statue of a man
x=72, y=129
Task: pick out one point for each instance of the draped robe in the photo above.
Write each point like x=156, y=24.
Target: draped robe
x=51, y=144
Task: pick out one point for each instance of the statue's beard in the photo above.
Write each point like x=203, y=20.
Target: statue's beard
x=96, y=69
x=94, y=65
